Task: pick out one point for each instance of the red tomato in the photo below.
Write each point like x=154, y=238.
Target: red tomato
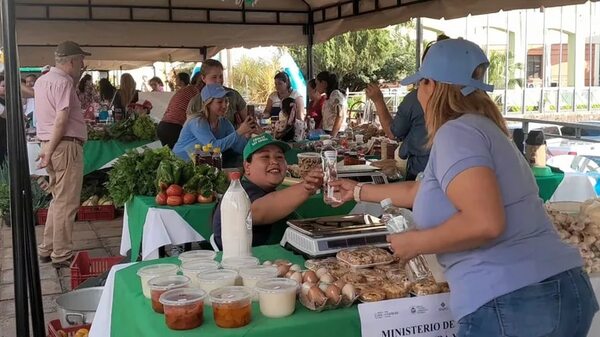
x=174, y=190
x=174, y=200
x=189, y=198
x=205, y=200
x=161, y=198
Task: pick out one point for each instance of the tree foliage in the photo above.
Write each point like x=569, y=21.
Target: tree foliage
x=358, y=58
x=253, y=78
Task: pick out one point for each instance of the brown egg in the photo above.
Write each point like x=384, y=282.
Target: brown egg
x=327, y=278
x=321, y=271
x=306, y=287
x=289, y=274
x=310, y=276
x=296, y=267
x=316, y=296
x=282, y=261
x=282, y=269
x=349, y=291
x=296, y=276
x=333, y=293
x=339, y=283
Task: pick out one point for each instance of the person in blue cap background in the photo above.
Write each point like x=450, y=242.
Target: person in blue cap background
x=264, y=171
x=407, y=126
x=208, y=125
x=478, y=209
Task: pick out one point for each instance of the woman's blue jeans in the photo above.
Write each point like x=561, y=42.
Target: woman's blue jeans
x=560, y=306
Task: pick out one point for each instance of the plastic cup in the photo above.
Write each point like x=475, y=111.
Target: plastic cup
x=307, y=161
x=238, y=263
x=197, y=255
x=211, y=280
x=191, y=268
x=232, y=306
x=184, y=308
x=149, y=272
x=161, y=284
x=277, y=296
x=253, y=274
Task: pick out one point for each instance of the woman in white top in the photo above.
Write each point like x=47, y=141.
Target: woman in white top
x=335, y=106
x=283, y=90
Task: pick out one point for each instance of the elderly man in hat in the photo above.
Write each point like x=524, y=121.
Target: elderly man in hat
x=62, y=130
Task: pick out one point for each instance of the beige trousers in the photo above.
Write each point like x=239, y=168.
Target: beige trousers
x=66, y=177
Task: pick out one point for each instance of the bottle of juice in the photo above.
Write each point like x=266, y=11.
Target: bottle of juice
x=206, y=156
x=217, y=158
x=197, y=157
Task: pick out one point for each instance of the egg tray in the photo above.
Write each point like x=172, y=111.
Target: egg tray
x=343, y=302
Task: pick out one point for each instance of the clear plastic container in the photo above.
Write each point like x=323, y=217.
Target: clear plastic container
x=191, y=268
x=277, y=296
x=238, y=263
x=253, y=274
x=197, y=255
x=329, y=163
x=216, y=279
x=184, y=308
x=161, y=284
x=307, y=161
x=232, y=306
x=149, y=272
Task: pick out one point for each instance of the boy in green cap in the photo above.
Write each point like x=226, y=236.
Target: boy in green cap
x=264, y=171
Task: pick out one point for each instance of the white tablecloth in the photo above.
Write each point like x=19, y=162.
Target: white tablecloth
x=161, y=227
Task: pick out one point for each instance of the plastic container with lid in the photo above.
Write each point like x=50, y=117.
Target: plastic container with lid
x=161, y=284
x=211, y=280
x=239, y=262
x=191, y=268
x=232, y=306
x=277, y=296
x=197, y=255
x=149, y=272
x=252, y=275
x=184, y=308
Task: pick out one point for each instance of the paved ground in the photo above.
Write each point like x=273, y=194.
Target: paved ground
x=99, y=238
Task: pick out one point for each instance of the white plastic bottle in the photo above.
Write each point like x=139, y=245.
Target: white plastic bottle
x=399, y=220
x=236, y=220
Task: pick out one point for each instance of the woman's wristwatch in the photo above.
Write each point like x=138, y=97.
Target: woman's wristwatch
x=357, y=190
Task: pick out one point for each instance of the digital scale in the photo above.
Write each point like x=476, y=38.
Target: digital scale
x=319, y=237
x=362, y=173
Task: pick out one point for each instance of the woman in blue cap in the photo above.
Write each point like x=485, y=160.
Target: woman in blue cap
x=478, y=209
x=208, y=125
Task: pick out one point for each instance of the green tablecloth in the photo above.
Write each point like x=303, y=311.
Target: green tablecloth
x=199, y=217
x=97, y=153
x=132, y=314
x=548, y=184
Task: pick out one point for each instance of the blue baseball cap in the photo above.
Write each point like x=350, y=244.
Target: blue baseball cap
x=212, y=91
x=452, y=61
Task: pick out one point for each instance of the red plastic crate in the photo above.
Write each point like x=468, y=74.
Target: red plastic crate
x=54, y=326
x=94, y=213
x=41, y=216
x=83, y=267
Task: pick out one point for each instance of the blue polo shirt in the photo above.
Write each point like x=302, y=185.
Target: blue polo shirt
x=529, y=251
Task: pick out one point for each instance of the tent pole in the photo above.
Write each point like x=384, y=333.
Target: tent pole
x=26, y=272
x=419, y=28
x=309, y=52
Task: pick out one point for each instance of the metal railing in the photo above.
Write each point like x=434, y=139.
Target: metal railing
x=577, y=127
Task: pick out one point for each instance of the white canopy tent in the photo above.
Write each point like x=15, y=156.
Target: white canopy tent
x=129, y=33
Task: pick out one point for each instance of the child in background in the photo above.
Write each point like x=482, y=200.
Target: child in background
x=284, y=127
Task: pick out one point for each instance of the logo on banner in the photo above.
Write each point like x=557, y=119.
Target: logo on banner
x=418, y=309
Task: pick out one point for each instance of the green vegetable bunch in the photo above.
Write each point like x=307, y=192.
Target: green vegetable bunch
x=144, y=128
x=122, y=130
x=135, y=174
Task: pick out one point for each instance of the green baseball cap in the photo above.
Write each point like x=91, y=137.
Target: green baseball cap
x=256, y=143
